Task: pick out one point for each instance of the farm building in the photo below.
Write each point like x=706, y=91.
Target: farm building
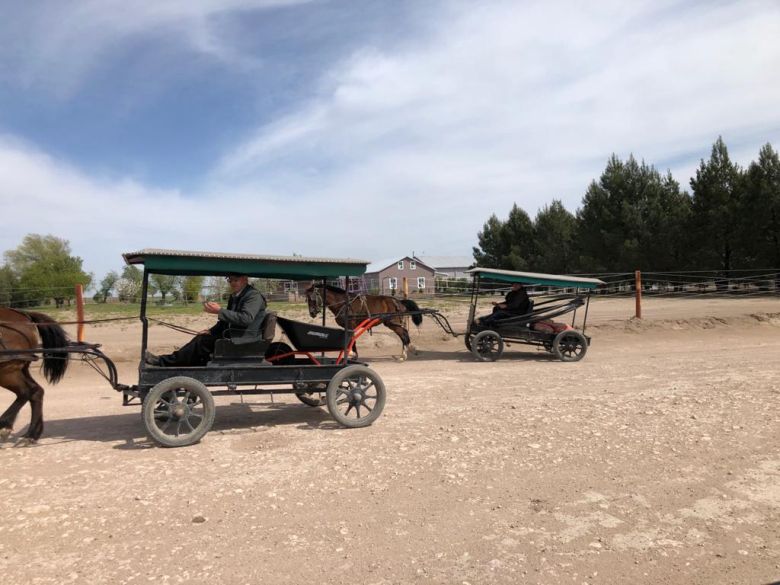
x=448, y=266
x=421, y=272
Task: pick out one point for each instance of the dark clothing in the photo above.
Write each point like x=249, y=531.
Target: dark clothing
x=517, y=303
x=242, y=319
x=196, y=352
x=241, y=322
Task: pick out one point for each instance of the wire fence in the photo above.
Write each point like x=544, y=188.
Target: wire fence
x=684, y=284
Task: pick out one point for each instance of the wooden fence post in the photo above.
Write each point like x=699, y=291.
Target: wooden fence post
x=406, y=288
x=80, y=312
x=638, y=290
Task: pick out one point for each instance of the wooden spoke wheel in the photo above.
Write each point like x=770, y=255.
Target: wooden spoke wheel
x=570, y=346
x=178, y=411
x=356, y=396
x=487, y=346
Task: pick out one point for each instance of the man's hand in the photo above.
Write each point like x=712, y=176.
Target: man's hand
x=204, y=332
x=211, y=307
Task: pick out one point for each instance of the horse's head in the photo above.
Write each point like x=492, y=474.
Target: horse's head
x=314, y=300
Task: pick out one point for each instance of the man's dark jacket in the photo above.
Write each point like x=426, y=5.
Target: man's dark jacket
x=243, y=317
x=517, y=302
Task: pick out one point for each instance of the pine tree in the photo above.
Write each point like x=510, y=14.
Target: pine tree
x=555, y=232
x=760, y=228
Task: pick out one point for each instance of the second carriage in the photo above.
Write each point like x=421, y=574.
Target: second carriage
x=537, y=327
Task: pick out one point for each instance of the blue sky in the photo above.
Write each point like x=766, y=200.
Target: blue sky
x=264, y=126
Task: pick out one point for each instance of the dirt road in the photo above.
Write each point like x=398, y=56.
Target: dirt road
x=654, y=460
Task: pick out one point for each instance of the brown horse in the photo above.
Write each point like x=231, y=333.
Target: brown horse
x=362, y=306
x=17, y=332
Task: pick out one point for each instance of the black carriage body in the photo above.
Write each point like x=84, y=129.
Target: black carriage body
x=520, y=333
x=309, y=337
x=233, y=376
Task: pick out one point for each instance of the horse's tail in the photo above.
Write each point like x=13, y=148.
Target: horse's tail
x=53, y=336
x=412, y=306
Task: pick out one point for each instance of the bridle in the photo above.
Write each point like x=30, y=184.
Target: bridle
x=314, y=300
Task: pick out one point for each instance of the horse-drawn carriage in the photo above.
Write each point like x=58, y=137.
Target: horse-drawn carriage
x=486, y=339
x=177, y=402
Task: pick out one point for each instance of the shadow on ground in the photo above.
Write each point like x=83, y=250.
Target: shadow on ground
x=233, y=417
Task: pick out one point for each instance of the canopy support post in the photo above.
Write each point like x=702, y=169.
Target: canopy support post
x=144, y=321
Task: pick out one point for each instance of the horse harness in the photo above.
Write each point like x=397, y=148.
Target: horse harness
x=3, y=346
x=320, y=300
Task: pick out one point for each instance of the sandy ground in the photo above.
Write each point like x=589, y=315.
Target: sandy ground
x=653, y=460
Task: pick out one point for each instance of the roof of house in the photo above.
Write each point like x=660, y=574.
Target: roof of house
x=439, y=262
x=380, y=265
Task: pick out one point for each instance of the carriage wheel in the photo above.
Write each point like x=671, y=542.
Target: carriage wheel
x=487, y=346
x=280, y=348
x=356, y=396
x=570, y=346
x=178, y=412
x=467, y=339
x=313, y=397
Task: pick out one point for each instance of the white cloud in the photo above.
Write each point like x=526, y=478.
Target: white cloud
x=55, y=45
x=525, y=101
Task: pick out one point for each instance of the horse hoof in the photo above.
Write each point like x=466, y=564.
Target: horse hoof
x=4, y=434
x=25, y=442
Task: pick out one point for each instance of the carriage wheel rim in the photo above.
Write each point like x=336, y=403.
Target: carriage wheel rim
x=354, y=399
x=179, y=413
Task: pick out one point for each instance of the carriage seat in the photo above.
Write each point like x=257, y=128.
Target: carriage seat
x=226, y=349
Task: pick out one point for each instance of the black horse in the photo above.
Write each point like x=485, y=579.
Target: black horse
x=18, y=332
x=363, y=306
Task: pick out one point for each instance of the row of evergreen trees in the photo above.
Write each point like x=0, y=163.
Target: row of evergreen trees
x=634, y=217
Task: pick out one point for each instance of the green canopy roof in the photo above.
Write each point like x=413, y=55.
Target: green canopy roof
x=186, y=263
x=535, y=278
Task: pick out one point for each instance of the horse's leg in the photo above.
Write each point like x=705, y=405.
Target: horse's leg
x=16, y=383
x=410, y=345
x=36, y=404
x=401, y=332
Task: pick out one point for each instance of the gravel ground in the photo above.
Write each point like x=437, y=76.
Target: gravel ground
x=653, y=460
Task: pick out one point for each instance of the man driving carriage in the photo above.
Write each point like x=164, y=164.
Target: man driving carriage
x=241, y=321
x=515, y=303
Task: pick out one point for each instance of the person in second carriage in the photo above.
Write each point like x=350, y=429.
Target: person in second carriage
x=515, y=303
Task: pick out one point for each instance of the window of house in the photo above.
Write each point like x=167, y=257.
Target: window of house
x=400, y=265
x=421, y=282
x=393, y=283
x=412, y=265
